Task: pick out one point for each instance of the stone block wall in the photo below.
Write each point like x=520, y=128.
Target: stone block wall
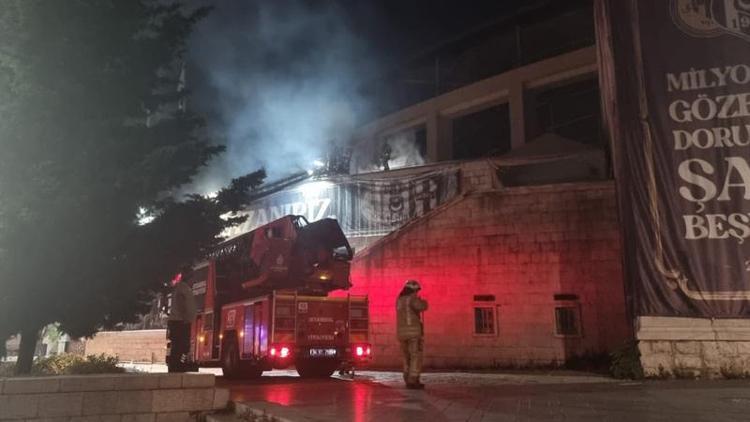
x=521, y=247
x=152, y=398
x=130, y=346
x=478, y=175
x=694, y=347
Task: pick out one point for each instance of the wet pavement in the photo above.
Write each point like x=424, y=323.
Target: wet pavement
x=380, y=396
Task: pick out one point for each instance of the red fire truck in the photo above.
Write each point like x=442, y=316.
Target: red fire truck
x=262, y=302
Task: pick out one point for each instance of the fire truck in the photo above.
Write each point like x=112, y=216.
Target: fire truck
x=263, y=303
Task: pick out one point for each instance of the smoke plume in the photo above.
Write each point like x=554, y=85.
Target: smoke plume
x=388, y=153
x=279, y=81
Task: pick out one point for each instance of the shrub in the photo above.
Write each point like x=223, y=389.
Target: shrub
x=6, y=369
x=74, y=364
x=96, y=364
x=54, y=365
x=626, y=362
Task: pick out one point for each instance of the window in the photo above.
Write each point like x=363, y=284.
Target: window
x=273, y=233
x=485, y=133
x=567, y=321
x=208, y=322
x=484, y=320
x=570, y=110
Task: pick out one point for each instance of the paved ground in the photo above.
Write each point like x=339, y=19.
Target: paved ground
x=379, y=396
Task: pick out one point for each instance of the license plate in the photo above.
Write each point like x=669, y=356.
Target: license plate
x=322, y=352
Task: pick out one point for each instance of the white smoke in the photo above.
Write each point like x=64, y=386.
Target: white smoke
x=399, y=150
x=404, y=151
x=280, y=80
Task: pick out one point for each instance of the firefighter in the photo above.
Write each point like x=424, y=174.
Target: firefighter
x=182, y=312
x=410, y=331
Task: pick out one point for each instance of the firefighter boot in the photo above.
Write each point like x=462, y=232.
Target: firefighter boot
x=415, y=385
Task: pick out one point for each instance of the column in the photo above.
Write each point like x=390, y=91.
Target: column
x=439, y=138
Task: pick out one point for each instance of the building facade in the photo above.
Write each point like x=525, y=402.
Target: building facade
x=523, y=266
x=515, y=277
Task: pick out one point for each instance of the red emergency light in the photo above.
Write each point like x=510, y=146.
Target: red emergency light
x=281, y=351
x=177, y=278
x=362, y=351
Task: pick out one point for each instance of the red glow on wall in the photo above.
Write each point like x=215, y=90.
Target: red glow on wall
x=520, y=247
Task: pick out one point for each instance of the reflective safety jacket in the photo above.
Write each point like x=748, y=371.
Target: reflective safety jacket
x=408, y=316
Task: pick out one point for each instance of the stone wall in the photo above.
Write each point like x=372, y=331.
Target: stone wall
x=694, y=347
x=130, y=346
x=528, y=250
x=148, y=398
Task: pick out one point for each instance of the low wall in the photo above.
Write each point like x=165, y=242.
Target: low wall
x=694, y=347
x=152, y=397
x=130, y=346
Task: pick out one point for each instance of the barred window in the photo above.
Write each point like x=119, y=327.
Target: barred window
x=567, y=321
x=484, y=320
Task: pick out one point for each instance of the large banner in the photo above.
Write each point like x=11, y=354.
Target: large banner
x=675, y=79
x=363, y=206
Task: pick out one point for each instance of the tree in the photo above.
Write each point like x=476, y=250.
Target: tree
x=92, y=135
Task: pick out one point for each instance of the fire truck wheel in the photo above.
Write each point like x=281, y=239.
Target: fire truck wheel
x=316, y=369
x=230, y=360
x=251, y=371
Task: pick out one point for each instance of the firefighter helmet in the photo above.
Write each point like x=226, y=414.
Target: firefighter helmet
x=413, y=285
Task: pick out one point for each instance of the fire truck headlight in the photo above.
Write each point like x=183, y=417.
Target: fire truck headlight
x=284, y=352
x=360, y=351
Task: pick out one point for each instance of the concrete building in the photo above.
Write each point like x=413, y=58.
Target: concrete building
x=522, y=267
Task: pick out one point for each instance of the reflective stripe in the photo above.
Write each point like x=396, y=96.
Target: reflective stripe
x=409, y=310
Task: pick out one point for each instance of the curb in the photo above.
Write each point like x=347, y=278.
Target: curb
x=255, y=410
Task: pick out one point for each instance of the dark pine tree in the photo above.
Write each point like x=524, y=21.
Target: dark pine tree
x=91, y=134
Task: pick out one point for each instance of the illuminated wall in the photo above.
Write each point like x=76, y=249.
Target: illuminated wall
x=516, y=276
